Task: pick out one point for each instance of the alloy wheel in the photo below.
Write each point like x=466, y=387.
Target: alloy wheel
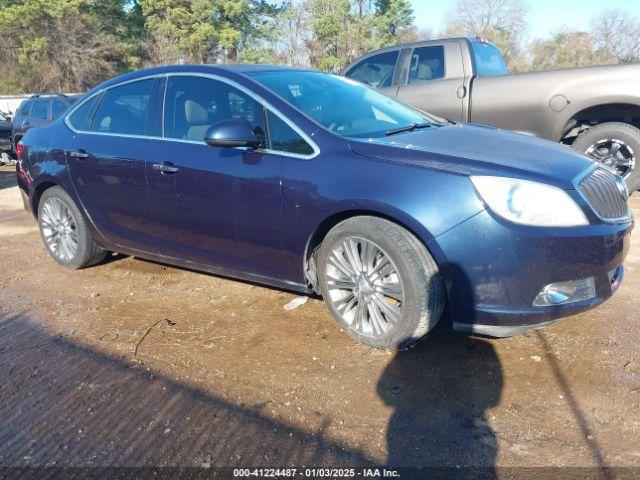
x=59, y=229
x=615, y=154
x=364, y=286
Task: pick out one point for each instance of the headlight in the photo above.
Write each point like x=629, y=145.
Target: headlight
x=529, y=203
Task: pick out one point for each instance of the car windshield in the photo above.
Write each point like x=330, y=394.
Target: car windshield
x=489, y=60
x=344, y=106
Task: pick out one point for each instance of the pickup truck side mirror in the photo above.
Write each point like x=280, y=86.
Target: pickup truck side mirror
x=233, y=133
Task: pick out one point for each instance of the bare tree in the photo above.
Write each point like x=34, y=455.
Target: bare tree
x=565, y=49
x=293, y=25
x=617, y=36
x=501, y=21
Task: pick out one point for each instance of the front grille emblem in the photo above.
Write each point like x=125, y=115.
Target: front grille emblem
x=622, y=186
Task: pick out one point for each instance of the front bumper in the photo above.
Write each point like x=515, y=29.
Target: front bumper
x=494, y=270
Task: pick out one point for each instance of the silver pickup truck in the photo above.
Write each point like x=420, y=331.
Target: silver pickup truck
x=596, y=110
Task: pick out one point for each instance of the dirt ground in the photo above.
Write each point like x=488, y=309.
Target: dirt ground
x=136, y=363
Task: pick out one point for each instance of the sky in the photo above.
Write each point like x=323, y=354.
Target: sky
x=545, y=16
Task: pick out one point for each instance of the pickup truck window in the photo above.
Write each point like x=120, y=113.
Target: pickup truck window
x=376, y=70
x=489, y=61
x=427, y=63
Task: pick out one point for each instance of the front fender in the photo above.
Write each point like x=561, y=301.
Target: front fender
x=427, y=202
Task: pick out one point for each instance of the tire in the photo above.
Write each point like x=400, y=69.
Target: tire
x=625, y=134
x=60, y=219
x=385, y=322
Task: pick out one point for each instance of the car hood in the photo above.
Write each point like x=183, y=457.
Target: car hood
x=470, y=149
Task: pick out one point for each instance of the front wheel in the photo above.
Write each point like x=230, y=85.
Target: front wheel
x=616, y=145
x=380, y=283
x=64, y=231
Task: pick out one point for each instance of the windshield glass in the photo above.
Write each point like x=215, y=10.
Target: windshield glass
x=489, y=61
x=344, y=106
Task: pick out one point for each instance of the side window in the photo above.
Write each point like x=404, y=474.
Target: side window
x=376, y=71
x=40, y=109
x=124, y=109
x=427, y=63
x=489, y=60
x=24, y=108
x=80, y=118
x=58, y=107
x=284, y=138
x=193, y=104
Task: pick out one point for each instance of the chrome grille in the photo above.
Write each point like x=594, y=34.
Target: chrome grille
x=601, y=190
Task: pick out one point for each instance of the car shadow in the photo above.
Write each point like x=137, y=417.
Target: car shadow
x=68, y=405
x=440, y=390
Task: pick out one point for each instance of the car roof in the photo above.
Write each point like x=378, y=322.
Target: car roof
x=48, y=96
x=221, y=69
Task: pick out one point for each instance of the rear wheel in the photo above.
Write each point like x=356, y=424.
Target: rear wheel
x=64, y=231
x=616, y=145
x=380, y=283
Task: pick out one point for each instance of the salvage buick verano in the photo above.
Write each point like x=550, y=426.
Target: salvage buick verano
x=316, y=183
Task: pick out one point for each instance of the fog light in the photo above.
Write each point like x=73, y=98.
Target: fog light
x=561, y=293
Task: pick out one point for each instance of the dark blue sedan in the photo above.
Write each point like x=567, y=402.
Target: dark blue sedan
x=315, y=183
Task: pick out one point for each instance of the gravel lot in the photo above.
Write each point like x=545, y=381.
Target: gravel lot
x=136, y=363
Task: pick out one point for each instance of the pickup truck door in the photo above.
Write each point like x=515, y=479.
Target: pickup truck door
x=432, y=78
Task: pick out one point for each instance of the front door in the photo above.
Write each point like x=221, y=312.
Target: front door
x=106, y=159
x=215, y=206
x=434, y=81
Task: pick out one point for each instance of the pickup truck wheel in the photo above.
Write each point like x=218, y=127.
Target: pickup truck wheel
x=616, y=145
x=380, y=283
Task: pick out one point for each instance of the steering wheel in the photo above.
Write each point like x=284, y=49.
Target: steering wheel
x=339, y=123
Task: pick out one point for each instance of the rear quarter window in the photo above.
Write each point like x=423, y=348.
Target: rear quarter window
x=79, y=119
x=488, y=60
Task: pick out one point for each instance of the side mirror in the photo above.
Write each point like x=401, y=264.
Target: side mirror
x=233, y=133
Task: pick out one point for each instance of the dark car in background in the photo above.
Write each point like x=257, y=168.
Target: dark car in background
x=36, y=111
x=5, y=132
x=317, y=183
x=596, y=110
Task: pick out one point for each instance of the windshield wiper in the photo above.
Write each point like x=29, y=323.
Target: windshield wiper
x=408, y=128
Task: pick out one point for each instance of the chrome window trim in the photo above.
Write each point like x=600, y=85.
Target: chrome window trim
x=167, y=75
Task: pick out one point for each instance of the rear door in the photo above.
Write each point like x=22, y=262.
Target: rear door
x=107, y=162
x=433, y=79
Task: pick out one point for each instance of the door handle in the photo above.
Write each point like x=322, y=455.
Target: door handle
x=80, y=154
x=166, y=168
x=461, y=92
